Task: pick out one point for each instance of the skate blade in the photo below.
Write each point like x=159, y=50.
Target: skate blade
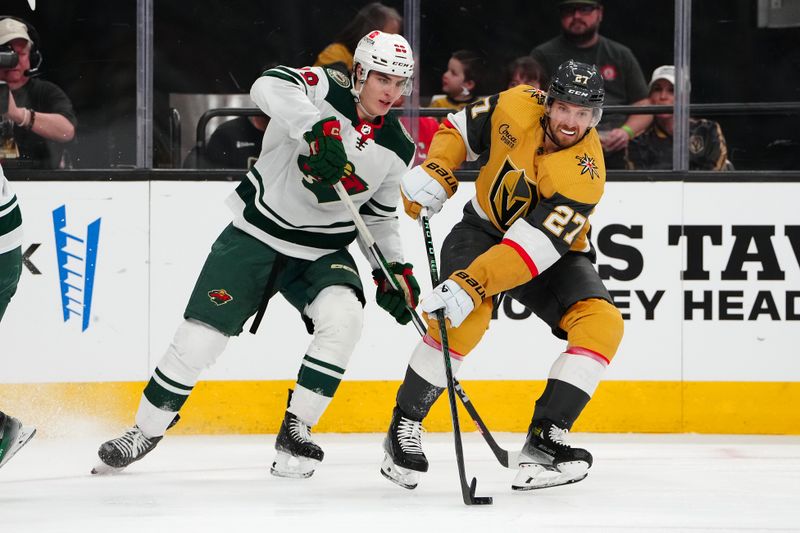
x=408, y=479
x=285, y=465
x=24, y=435
x=102, y=469
x=533, y=476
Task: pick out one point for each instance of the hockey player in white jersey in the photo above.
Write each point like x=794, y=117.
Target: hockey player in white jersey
x=13, y=435
x=289, y=234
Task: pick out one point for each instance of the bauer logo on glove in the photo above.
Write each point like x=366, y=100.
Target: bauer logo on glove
x=428, y=186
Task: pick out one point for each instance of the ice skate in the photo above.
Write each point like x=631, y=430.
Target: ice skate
x=404, y=459
x=547, y=460
x=118, y=453
x=297, y=455
x=13, y=436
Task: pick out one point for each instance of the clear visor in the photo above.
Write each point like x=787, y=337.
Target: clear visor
x=408, y=83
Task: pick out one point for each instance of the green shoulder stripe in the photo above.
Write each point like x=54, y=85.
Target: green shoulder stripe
x=395, y=137
x=339, y=95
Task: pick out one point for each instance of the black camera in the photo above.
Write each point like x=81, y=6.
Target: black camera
x=8, y=57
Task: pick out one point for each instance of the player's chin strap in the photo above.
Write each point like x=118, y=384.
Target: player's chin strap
x=545, y=122
x=357, y=99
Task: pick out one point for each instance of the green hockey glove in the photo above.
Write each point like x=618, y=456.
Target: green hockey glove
x=328, y=158
x=394, y=301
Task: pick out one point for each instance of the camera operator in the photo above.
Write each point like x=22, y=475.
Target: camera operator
x=37, y=116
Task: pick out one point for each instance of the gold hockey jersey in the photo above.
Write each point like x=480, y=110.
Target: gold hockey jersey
x=541, y=201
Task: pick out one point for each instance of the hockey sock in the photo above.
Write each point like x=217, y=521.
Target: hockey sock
x=425, y=379
x=317, y=382
x=338, y=318
x=416, y=396
x=573, y=379
x=195, y=347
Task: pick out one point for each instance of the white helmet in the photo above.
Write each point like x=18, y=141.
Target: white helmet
x=384, y=52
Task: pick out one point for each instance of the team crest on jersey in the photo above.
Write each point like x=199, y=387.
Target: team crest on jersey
x=511, y=195
x=351, y=181
x=587, y=164
x=220, y=296
x=339, y=77
x=538, y=94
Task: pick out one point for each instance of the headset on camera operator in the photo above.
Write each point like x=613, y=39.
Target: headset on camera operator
x=37, y=116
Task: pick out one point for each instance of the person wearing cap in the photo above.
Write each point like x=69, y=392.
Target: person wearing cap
x=39, y=118
x=653, y=148
x=625, y=83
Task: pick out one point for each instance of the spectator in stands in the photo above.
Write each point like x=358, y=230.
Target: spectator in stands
x=39, y=117
x=373, y=16
x=624, y=82
x=653, y=148
x=461, y=82
x=234, y=144
x=526, y=70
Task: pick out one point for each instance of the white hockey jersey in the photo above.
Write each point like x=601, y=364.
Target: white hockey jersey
x=10, y=217
x=281, y=206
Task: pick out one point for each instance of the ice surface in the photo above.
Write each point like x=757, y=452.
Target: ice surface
x=197, y=484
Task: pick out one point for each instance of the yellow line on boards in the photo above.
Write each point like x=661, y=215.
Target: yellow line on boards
x=222, y=407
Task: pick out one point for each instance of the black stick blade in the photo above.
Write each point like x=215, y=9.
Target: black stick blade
x=471, y=499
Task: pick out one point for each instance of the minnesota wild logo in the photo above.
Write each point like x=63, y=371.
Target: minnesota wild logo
x=220, y=296
x=352, y=182
x=587, y=164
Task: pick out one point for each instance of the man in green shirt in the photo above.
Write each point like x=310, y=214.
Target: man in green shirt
x=624, y=82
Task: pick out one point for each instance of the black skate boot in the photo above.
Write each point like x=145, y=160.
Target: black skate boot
x=404, y=458
x=294, y=441
x=13, y=436
x=118, y=453
x=547, y=460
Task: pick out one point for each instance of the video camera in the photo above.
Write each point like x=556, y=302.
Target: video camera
x=8, y=57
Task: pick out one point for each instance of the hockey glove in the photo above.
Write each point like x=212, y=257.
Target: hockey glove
x=328, y=158
x=394, y=301
x=427, y=185
x=458, y=296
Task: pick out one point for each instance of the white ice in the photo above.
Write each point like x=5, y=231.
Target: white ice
x=202, y=484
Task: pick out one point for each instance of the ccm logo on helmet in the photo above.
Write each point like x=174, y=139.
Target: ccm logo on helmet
x=577, y=92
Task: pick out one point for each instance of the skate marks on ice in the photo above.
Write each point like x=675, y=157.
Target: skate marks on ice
x=199, y=484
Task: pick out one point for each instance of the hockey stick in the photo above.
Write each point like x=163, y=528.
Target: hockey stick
x=506, y=459
x=467, y=491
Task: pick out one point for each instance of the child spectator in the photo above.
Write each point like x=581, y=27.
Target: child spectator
x=461, y=82
x=526, y=70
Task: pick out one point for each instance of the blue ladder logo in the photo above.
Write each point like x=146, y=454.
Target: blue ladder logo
x=77, y=261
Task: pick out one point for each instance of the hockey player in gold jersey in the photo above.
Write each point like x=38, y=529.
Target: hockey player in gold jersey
x=525, y=234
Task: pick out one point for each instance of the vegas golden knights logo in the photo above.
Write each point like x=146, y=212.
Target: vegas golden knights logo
x=511, y=195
